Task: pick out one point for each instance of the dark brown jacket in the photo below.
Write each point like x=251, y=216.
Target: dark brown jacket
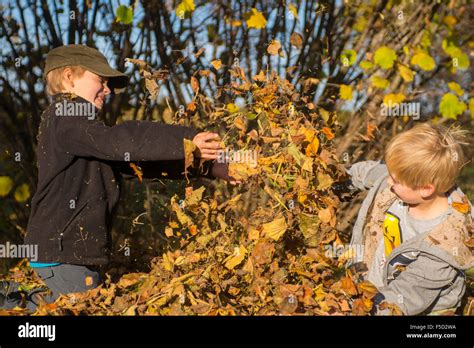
x=80, y=164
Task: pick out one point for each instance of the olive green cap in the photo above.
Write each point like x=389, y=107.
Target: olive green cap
x=88, y=58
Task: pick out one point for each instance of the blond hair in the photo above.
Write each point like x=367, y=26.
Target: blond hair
x=426, y=154
x=54, y=79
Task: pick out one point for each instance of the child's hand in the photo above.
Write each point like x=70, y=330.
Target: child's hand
x=207, y=145
x=221, y=171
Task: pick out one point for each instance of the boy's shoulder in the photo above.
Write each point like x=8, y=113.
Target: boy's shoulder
x=454, y=234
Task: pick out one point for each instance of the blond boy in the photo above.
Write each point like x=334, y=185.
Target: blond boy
x=414, y=224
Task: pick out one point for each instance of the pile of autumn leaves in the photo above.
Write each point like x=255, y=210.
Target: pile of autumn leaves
x=232, y=260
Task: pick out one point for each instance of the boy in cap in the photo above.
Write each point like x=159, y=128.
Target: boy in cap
x=80, y=163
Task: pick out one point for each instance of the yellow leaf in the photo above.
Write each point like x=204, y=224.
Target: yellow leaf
x=236, y=258
x=328, y=132
x=22, y=193
x=406, y=73
x=232, y=108
x=385, y=57
x=195, y=197
x=379, y=82
x=366, y=65
x=217, y=64
x=450, y=21
x=294, y=11
x=393, y=99
x=453, y=86
x=89, y=281
x=137, y=171
x=312, y=148
x=450, y=106
x=242, y=171
x=189, y=148
x=6, y=185
x=423, y=60
x=275, y=229
x=325, y=215
x=255, y=19
x=462, y=207
x=345, y=92
x=185, y=8
x=274, y=47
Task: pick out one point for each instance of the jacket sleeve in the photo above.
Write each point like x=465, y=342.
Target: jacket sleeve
x=364, y=174
x=173, y=169
x=419, y=285
x=131, y=140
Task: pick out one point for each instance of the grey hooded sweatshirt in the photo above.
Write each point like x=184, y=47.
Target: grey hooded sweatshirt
x=425, y=273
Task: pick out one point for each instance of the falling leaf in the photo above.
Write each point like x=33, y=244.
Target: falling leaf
x=368, y=289
x=6, y=185
x=194, y=84
x=392, y=99
x=293, y=10
x=255, y=19
x=22, y=193
x=232, y=108
x=325, y=215
x=348, y=286
x=379, y=82
x=328, y=132
x=124, y=14
x=450, y=106
x=450, y=21
x=366, y=65
x=462, y=207
x=385, y=57
x=370, y=130
x=195, y=197
x=199, y=52
x=236, y=258
x=89, y=281
x=345, y=92
x=453, y=86
x=189, y=148
x=275, y=229
x=141, y=63
x=137, y=171
x=217, y=64
x=312, y=148
x=274, y=47
x=296, y=40
x=185, y=9
x=406, y=73
x=348, y=57
x=470, y=244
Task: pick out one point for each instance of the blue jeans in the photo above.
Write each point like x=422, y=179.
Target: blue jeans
x=62, y=279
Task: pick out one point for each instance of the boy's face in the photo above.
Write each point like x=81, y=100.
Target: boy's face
x=92, y=88
x=407, y=194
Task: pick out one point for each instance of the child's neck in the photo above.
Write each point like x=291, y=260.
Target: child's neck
x=430, y=208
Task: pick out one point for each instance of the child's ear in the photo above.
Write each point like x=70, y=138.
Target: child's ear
x=68, y=77
x=427, y=190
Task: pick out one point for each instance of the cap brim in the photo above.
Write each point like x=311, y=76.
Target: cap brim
x=117, y=79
